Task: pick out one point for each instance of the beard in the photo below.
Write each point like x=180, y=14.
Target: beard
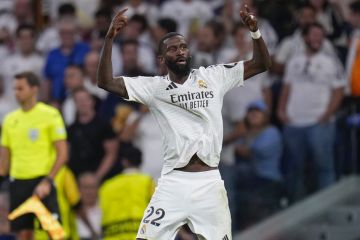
x=181, y=70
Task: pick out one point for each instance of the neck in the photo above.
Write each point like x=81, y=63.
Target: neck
x=26, y=106
x=26, y=53
x=86, y=117
x=178, y=78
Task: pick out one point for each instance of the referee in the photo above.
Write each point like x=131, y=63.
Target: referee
x=33, y=149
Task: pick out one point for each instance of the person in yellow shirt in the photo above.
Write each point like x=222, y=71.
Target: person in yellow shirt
x=33, y=149
x=124, y=197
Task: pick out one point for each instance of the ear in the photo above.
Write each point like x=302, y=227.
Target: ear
x=161, y=59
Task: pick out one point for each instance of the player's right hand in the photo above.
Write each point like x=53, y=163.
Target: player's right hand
x=117, y=23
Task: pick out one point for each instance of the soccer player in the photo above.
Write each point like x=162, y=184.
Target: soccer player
x=33, y=149
x=187, y=106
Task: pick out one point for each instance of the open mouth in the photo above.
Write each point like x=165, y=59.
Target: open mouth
x=181, y=61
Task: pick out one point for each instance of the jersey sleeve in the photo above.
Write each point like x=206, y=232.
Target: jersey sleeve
x=57, y=129
x=139, y=89
x=227, y=76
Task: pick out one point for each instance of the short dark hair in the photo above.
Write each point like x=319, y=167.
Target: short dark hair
x=103, y=12
x=168, y=24
x=30, y=78
x=66, y=9
x=128, y=42
x=161, y=45
x=140, y=19
x=132, y=155
x=307, y=28
x=25, y=26
x=355, y=6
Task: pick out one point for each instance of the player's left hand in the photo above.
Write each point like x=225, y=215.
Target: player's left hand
x=43, y=189
x=249, y=19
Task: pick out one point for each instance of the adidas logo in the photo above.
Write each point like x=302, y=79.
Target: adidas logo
x=225, y=238
x=172, y=85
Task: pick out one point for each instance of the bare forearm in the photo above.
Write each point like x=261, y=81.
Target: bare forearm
x=105, y=77
x=335, y=102
x=108, y=160
x=4, y=161
x=61, y=158
x=260, y=61
x=105, y=72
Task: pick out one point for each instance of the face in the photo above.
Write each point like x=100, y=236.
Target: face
x=306, y=17
x=91, y=63
x=242, y=38
x=73, y=78
x=23, y=91
x=206, y=39
x=256, y=118
x=176, y=55
x=88, y=188
x=84, y=102
x=129, y=56
x=67, y=34
x=354, y=19
x=26, y=41
x=314, y=39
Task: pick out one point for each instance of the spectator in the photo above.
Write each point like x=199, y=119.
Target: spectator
x=310, y=96
x=210, y=49
x=92, y=142
x=188, y=14
x=6, y=102
x=123, y=198
x=90, y=68
x=147, y=139
x=49, y=37
x=91, y=227
x=70, y=52
x=74, y=79
x=259, y=153
x=24, y=59
x=295, y=44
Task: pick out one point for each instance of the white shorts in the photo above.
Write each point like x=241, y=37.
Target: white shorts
x=198, y=199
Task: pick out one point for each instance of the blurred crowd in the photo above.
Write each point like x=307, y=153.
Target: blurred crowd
x=288, y=133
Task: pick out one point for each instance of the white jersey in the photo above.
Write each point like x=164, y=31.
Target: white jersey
x=189, y=114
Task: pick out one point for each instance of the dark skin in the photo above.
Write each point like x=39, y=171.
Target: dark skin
x=176, y=50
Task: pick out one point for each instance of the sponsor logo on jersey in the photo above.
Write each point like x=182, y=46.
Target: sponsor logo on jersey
x=225, y=238
x=192, y=100
x=172, y=85
x=202, y=83
x=33, y=134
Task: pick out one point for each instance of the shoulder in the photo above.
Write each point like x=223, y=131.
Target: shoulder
x=47, y=109
x=11, y=116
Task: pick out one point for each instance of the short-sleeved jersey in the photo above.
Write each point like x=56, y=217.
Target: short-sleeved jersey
x=123, y=200
x=188, y=114
x=29, y=136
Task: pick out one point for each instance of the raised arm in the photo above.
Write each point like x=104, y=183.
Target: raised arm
x=105, y=77
x=261, y=60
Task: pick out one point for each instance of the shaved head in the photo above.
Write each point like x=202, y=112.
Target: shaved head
x=162, y=42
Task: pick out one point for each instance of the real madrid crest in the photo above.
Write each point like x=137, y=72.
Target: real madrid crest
x=33, y=134
x=202, y=83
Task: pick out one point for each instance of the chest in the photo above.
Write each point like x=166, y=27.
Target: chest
x=196, y=94
x=313, y=70
x=29, y=130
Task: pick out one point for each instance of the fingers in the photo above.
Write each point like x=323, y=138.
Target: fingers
x=120, y=13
